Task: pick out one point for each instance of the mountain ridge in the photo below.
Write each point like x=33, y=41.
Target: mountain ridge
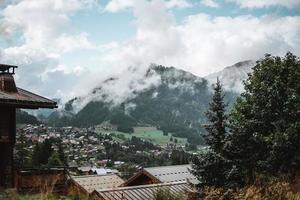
x=232, y=77
x=175, y=102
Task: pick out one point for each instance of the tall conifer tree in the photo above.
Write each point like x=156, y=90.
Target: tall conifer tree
x=216, y=129
x=211, y=168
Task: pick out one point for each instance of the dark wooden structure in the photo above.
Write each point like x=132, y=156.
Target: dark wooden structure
x=11, y=98
x=142, y=178
x=41, y=181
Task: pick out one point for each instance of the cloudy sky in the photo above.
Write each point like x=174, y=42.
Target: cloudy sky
x=64, y=48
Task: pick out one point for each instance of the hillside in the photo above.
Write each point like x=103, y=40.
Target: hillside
x=177, y=104
x=22, y=117
x=232, y=76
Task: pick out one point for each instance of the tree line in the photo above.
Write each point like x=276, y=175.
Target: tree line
x=49, y=153
x=260, y=135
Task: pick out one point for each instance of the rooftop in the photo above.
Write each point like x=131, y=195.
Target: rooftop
x=143, y=192
x=11, y=95
x=25, y=99
x=96, y=182
x=172, y=173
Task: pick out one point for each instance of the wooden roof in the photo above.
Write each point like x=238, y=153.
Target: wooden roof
x=11, y=95
x=142, y=192
x=164, y=174
x=25, y=99
x=172, y=173
x=96, y=182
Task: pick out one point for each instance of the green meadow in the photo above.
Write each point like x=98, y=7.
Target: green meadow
x=154, y=136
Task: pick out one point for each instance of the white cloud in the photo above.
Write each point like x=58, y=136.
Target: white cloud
x=210, y=3
x=44, y=23
x=201, y=44
x=41, y=33
x=178, y=4
x=119, y=5
x=266, y=3
x=214, y=42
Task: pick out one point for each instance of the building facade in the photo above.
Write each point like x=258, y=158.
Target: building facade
x=12, y=98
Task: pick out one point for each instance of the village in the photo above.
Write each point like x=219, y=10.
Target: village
x=149, y=100
x=90, y=149
x=88, y=175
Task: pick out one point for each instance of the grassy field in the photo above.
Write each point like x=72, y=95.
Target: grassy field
x=154, y=136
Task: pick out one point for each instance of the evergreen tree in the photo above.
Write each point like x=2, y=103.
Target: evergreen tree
x=216, y=129
x=61, y=153
x=210, y=167
x=35, y=159
x=265, y=120
x=179, y=157
x=41, y=153
x=22, y=153
x=46, y=151
x=54, y=160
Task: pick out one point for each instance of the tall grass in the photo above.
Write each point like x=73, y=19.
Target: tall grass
x=262, y=189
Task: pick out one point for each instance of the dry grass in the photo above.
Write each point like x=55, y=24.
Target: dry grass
x=279, y=189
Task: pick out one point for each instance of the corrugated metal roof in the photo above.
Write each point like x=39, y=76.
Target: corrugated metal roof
x=172, y=173
x=25, y=99
x=96, y=182
x=143, y=192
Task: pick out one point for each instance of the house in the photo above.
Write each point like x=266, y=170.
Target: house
x=12, y=98
x=141, y=192
x=163, y=174
x=84, y=185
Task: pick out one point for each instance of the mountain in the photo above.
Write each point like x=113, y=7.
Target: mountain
x=232, y=77
x=173, y=100
x=22, y=117
x=43, y=114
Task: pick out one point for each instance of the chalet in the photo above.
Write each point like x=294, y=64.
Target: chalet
x=11, y=98
x=164, y=174
x=85, y=185
x=142, y=192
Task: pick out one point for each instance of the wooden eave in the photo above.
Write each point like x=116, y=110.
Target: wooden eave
x=141, y=172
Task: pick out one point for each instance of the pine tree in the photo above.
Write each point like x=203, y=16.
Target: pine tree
x=41, y=153
x=22, y=153
x=35, y=158
x=216, y=129
x=54, y=160
x=211, y=167
x=61, y=153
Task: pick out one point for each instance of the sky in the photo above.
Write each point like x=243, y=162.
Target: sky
x=65, y=48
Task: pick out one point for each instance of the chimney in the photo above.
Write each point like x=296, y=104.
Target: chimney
x=7, y=82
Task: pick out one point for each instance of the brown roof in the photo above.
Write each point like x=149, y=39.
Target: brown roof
x=11, y=95
x=25, y=99
x=172, y=173
x=165, y=174
x=98, y=182
x=143, y=192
